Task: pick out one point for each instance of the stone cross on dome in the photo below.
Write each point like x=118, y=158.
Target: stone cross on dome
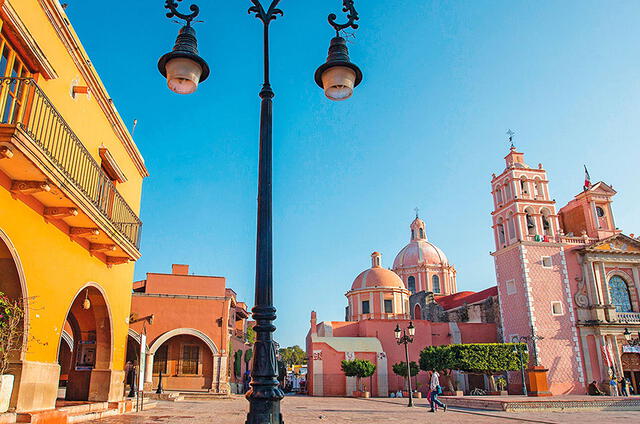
x=510, y=134
x=417, y=210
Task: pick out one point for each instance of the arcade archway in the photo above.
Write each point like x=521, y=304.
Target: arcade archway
x=12, y=282
x=88, y=359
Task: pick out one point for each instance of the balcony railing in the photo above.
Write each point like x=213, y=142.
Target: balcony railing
x=629, y=317
x=25, y=105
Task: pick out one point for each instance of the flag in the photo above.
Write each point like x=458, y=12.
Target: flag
x=587, y=179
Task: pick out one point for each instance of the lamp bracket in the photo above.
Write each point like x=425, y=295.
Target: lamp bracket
x=172, y=5
x=352, y=16
x=268, y=16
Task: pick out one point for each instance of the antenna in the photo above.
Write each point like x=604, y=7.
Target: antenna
x=135, y=124
x=510, y=134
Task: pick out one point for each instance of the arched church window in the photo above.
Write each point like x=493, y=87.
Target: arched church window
x=620, y=296
x=435, y=280
x=523, y=185
x=507, y=192
x=411, y=282
x=538, y=188
x=500, y=228
x=512, y=227
x=531, y=224
x=546, y=225
x=499, y=195
x=413, y=234
x=421, y=233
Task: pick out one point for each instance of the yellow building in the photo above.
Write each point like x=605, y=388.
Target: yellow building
x=70, y=186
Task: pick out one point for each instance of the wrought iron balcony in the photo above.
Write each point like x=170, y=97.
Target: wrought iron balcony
x=30, y=122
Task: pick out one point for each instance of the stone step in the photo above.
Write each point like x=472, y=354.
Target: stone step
x=78, y=418
x=204, y=396
x=84, y=408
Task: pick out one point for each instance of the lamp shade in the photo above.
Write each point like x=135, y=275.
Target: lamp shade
x=183, y=67
x=412, y=329
x=338, y=76
x=397, y=331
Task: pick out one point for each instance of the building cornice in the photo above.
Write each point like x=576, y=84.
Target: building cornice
x=69, y=38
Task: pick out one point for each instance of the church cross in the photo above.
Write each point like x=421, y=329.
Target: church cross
x=417, y=210
x=511, y=134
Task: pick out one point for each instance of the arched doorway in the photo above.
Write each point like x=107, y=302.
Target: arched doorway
x=631, y=368
x=185, y=358
x=88, y=324
x=417, y=312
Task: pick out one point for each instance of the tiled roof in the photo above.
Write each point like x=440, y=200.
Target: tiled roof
x=458, y=299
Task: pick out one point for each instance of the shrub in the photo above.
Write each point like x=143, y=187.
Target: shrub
x=359, y=368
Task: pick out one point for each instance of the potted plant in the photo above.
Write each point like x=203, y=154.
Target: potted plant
x=11, y=343
x=359, y=368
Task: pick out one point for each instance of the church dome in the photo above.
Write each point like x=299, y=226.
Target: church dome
x=419, y=251
x=376, y=276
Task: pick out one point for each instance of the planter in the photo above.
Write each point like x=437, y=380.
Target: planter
x=405, y=393
x=357, y=393
x=417, y=395
x=365, y=395
x=503, y=393
x=6, y=388
x=493, y=393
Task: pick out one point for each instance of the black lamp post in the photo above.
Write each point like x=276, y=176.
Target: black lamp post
x=403, y=338
x=630, y=340
x=518, y=351
x=184, y=69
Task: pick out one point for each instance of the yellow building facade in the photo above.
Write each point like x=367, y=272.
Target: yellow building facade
x=70, y=187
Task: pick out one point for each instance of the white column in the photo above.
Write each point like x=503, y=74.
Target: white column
x=616, y=355
x=603, y=283
x=604, y=372
x=636, y=282
x=148, y=371
x=587, y=357
x=420, y=286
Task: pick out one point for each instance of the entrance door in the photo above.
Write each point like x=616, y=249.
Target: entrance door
x=631, y=367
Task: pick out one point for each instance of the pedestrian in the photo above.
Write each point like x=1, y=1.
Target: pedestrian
x=613, y=385
x=622, y=383
x=593, y=389
x=436, y=389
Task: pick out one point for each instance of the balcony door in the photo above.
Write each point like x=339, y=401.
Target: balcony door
x=12, y=90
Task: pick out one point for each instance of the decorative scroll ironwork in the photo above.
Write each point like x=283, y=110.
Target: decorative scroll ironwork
x=268, y=16
x=352, y=16
x=172, y=5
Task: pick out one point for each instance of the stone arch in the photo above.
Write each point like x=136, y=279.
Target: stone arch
x=18, y=290
x=68, y=339
x=417, y=311
x=180, y=332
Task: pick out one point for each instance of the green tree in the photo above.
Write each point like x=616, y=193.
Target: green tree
x=11, y=330
x=293, y=355
x=237, y=364
x=478, y=358
x=251, y=335
x=400, y=369
x=358, y=368
x=248, y=354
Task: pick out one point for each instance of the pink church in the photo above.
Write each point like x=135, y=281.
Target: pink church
x=567, y=280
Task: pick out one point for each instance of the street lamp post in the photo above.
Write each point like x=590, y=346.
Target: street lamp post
x=184, y=70
x=523, y=340
x=630, y=340
x=403, y=338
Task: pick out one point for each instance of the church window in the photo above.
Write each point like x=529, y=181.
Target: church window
x=421, y=233
x=556, y=308
x=512, y=227
x=413, y=234
x=499, y=195
x=388, y=306
x=365, y=307
x=500, y=228
x=599, y=211
x=546, y=262
x=531, y=224
x=435, y=280
x=160, y=360
x=507, y=192
x=411, y=282
x=620, y=296
x=523, y=185
x=538, y=188
x=546, y=225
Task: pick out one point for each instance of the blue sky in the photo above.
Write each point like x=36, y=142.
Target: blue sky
x=443, y=81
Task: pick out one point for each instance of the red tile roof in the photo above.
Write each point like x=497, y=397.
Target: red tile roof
x=458, y=299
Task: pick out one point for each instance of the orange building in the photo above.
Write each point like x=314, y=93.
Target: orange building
x=197, y=321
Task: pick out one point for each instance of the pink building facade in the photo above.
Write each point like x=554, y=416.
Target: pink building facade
x=567, y=280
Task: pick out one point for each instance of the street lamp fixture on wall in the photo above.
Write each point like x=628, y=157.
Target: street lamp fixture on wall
x=630, y=340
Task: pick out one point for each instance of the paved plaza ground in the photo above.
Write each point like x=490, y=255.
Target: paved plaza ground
x=346, y=410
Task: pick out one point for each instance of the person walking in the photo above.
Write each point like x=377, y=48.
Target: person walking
x=622, y=383
x=436, y=389
x=613, y=385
